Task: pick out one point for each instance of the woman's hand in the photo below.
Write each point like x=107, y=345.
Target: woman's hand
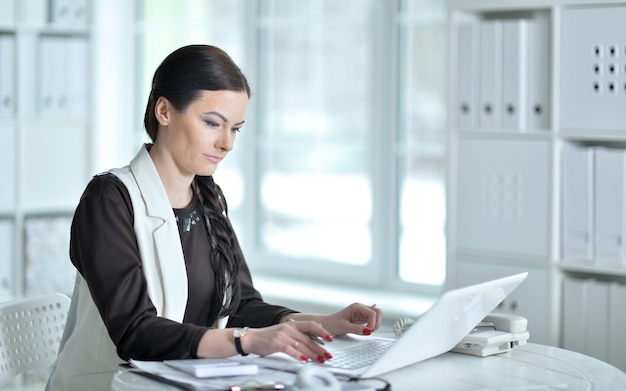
x=356, y=318
x=291, y=338
x=295, y=334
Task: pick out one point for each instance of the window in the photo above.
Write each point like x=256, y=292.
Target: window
x=422, y=146
x=339, y=173
x=316, y=89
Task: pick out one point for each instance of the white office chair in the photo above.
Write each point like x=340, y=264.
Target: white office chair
x=30, y=333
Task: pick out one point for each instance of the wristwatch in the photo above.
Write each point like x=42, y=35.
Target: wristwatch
x=238, y=334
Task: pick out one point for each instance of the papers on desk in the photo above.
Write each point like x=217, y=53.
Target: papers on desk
x=213, y=367
x=169, y=374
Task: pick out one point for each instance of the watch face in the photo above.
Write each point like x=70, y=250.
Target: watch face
x=239, y=332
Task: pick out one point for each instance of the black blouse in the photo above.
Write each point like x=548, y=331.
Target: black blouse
x=103, y=247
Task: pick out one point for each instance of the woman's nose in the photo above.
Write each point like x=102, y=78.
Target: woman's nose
x=226, y=141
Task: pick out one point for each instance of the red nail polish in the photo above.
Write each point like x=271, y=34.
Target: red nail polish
x=320, y=359
x=329, y=338
x=367, y=331
x=328, y=355
x=304, y=358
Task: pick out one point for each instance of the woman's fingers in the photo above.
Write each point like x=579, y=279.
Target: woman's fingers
x=304, y=345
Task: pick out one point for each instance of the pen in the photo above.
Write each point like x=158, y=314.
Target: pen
x=309, y=334
x=316, y=338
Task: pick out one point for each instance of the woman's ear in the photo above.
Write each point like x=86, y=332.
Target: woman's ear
x=162, y=111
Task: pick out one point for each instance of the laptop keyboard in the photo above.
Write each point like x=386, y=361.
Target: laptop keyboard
x=361, y=355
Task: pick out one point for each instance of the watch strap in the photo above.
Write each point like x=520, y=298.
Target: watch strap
x=238, y=342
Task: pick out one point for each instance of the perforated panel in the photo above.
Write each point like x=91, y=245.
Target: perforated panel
x=503, y=196
x=30, y=333
x=593, y=68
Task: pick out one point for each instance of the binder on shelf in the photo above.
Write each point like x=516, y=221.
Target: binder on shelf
x=61, y=12
x=539, y=52
x=597, y=319
x=467, y=74
x=7, y=12
x=63, y=75
x=490, y=46
x=514, y=78
x=80, y=13
x=577, y=198
x=7, y=74
x=617, y=324
x=69, y=13
x=610, y=216
x=34, y=12
x=8, y=167
x=574, y=312
x=6, y=257
x=76, y=71
x=50, y=71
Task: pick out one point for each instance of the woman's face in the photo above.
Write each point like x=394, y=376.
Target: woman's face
x=198, y=138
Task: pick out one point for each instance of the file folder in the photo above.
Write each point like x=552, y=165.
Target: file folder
x=8, y=166
x=539, y=52
x=490, y=74
x=610, y=216
x=76, y=75
x=577, y=197
x=617, y=324
x=574, y=314
x=63, y=75
x=7, y=74
x=514, y=78
x=467, y=75
x=61, y=12
x=50, y=69
x=6, y=258
x=597, y=320
x=7, y=12
x=80, y=13
x=34, y=12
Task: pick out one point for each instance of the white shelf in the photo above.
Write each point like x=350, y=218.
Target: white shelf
x=485, y=243
x=45, y=151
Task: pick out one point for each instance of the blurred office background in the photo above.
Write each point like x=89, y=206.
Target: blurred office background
x=337, y=184
x=392, y=148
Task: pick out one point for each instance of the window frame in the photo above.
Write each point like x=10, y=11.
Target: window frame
x=382, y=272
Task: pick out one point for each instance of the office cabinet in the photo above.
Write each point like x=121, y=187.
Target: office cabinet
x=45, y=127
x=537, y=162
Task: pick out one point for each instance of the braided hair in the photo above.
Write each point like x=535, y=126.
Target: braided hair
x=181, y=78
x=225, y=265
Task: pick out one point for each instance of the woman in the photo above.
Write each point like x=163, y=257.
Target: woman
x=157, y=259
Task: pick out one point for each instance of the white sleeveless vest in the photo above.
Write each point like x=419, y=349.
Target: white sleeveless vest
x=86, y=347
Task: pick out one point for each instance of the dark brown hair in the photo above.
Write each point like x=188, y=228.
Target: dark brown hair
x=180, y=78
x=188, y=71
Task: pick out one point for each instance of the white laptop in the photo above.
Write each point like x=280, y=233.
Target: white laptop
x=437, y=331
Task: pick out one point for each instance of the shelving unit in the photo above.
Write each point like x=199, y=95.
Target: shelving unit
x=529, y=82
x=45, y=115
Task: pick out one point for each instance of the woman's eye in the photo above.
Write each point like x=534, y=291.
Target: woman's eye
x=236, y=130
x=212, y=124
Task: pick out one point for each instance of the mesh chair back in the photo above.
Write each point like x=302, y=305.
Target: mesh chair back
x=30, y=333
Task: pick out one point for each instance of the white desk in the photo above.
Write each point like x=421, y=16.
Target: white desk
x=528, y=367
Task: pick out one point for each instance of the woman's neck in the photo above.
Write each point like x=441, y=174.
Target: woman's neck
x=177, y=186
